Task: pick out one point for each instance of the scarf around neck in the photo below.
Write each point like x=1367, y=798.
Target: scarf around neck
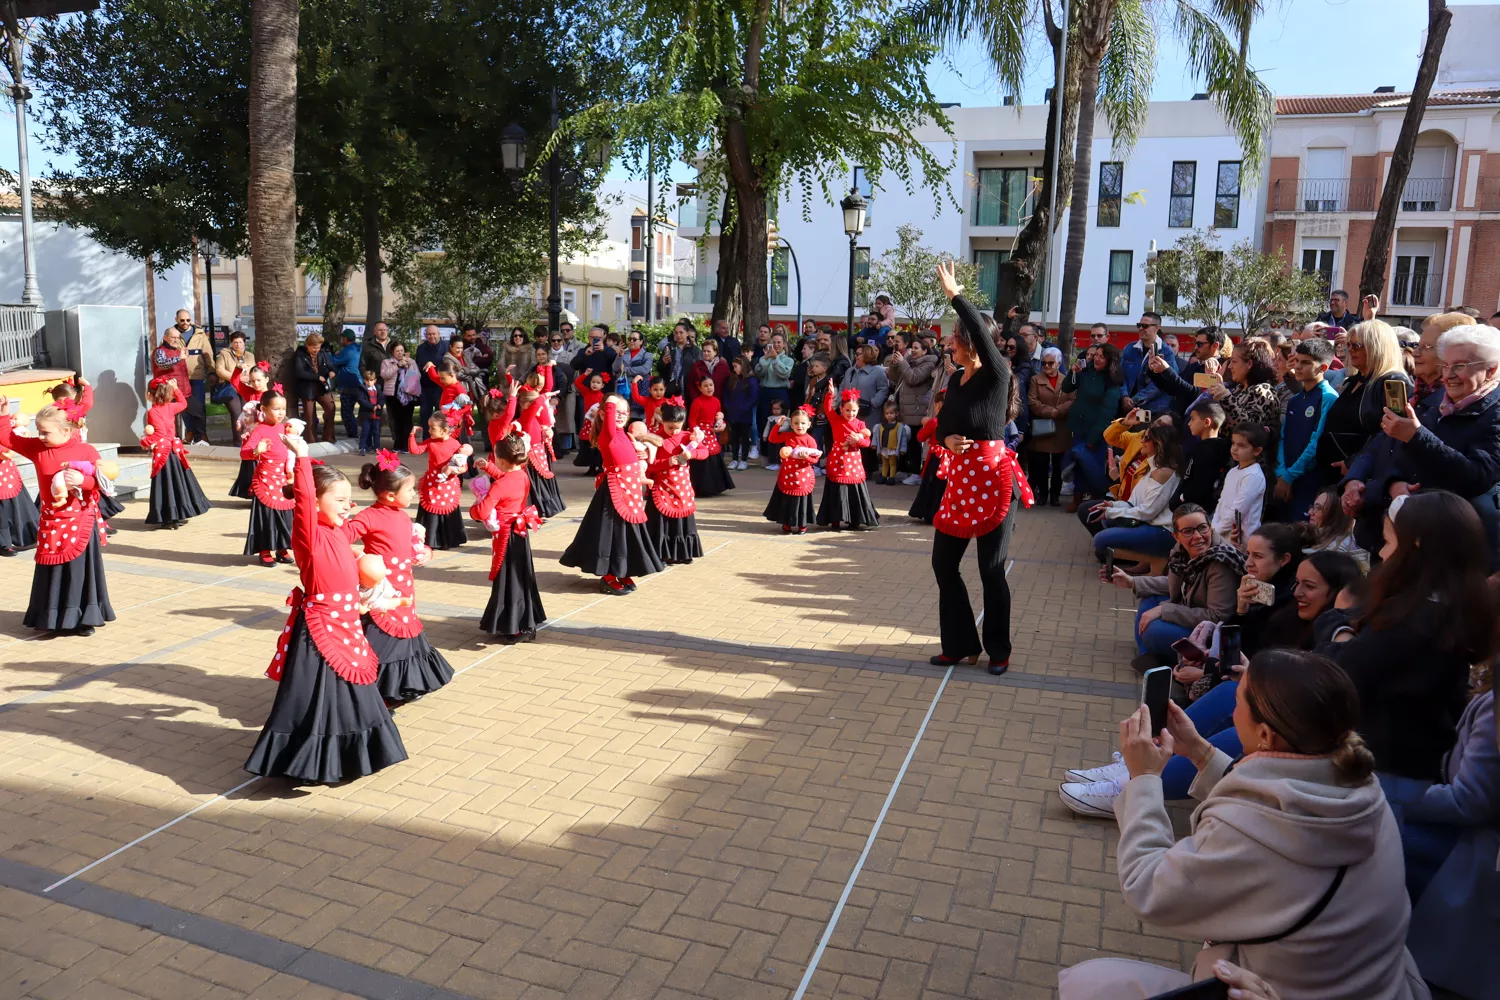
x=1189, y=570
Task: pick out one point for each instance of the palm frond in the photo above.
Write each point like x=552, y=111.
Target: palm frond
x=999, y=24
x=1240, y=95
x=1128, y=72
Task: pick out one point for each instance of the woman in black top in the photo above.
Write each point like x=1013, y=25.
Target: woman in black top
x=978, y=502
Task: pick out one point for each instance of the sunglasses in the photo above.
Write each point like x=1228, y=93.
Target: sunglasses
x=1146, y=326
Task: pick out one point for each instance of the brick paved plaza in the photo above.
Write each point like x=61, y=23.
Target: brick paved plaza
x=664, y=796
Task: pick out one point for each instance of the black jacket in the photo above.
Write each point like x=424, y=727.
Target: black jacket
x=309, y=380
x=1460, y=453
x=1207, y=462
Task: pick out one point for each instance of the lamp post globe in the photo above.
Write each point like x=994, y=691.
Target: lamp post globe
x=854, y=206
x=513, y=148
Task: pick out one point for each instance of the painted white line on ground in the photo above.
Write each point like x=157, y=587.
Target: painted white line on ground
x=148, y=836
x=833, y=921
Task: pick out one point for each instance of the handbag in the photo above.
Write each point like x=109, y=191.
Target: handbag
x=1043, y=426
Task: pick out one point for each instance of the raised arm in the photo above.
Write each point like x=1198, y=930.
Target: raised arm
x=30, y=447
x=414, y=446
x=85, y=397
x=304, y=511
x=178, y=403
x=978, y=330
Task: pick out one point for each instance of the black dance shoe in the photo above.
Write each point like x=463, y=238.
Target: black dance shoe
x=998, y=667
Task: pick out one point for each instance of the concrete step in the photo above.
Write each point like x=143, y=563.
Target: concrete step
x=135, y=471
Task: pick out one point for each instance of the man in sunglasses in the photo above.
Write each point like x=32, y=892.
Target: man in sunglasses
x=1140, y=391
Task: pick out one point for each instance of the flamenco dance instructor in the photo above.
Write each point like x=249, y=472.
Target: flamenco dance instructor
x=982, y=478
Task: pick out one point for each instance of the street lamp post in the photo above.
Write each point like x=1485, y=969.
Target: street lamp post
x=854, y=206
x=208, y=251
x=31, y=293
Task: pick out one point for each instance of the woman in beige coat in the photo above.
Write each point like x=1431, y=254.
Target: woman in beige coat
x=1047, y=401
x=1293, y=869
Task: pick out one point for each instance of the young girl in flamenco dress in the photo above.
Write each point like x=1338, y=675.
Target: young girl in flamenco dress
x=68, y=592
x=81, y=393
x=175, y=494
x=929, y=498
x=613, y=541
x=250, y=387
x=514, y=611
x=846, y=497
x=328, y=723
x=791, y=501
x=409, y=666
x=672, y=506
x=18, y=513
x=529, y=406
x=590, y=386
x=270, y=529
x=441, y=486
x=710, y=474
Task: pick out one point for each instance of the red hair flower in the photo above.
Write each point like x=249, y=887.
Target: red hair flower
x=496, y=394
x=804, y=408
x=276, y=388
x=674, y=401
x=387, y=460
x=158, y=380
x=72, y=411
x=849, y=394
x=264, y=366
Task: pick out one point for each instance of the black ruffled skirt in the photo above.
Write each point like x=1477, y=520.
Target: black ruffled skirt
x=175, y=494
x=409, y=668
x=847, y=505
x=544, y=493
x=710, y=476
x=676, y=538
x=793, y=512
x=109, y=507
x=72, y=594
x=18, y=521
x=588, y=456
x=609, y=545
x=444, y=531
x=241, y=487
x=322, y=729
x=270, y=530
x=924, y=506
x=515, y=602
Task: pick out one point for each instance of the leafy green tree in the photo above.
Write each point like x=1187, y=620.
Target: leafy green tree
x=1199, y=283
x=908, y=274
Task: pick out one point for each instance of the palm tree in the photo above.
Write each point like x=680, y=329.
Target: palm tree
x=273, y=189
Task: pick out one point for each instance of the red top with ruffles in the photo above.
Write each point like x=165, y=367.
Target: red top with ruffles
x=795, y=478
x=671, y=482
x=622, y=467
x=270, y=465
x=64, y=531
x=845, y=465
x=386, y=532
x=506, y=500
x=649, y=404
x=161, y=431
x=437, y=496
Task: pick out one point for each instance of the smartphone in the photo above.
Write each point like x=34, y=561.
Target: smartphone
x=1229, y=646
x=1395, y=396
x=1207, y=989
x=1156, y=688
x=1239, y=525
x=1109, y=564
x=1203, y=380
x=1189, y=650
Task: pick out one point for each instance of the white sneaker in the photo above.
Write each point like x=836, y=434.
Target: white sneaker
x=741, y=466
x=1115, y=769
x=754, y=452
x=1092, y=798
x=774, y=467
x=912, y=480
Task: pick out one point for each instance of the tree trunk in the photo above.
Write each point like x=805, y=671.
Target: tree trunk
x=374, y=268
x=1378, y=252
x=336, y=303
x=273, y=189
x=729, y=300
x=1078, y=214
x=197, y=285
x=151, y=300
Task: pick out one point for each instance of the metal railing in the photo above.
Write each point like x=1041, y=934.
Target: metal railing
x=309, y=305
x=21, y=331
x=1427, y=194
x=1345, y=194
x=1417, y=288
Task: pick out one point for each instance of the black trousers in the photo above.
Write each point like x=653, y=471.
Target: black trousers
x=1046, y=485
x=960, y=637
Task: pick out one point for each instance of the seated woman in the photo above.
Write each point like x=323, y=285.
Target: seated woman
x=1138, y=527
x=1272, y=554
x=1455, y=923
x=1429, y=615
x=1292, y=867
x=1333, y=527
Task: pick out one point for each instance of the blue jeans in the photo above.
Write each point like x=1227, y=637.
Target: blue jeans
x=1148, y=540
x=1425, y=845
x=1179, y=774
x=195, y=417
x=1090, y=468
x=1159, y=635
x=369, y=428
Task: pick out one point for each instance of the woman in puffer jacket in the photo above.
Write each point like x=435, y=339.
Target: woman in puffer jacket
x=911, y=371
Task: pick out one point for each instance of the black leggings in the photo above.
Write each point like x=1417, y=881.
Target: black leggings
x=960, y=637
x=741, y=437
x=1047, y=486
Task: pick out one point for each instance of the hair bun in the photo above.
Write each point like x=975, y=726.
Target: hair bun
x=1353, y=760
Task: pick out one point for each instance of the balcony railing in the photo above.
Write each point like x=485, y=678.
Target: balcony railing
x=309, y=305
x=1346, y=194
x=1417, y=288
x=20, y=336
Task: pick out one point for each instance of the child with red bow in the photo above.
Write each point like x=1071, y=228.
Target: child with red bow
x=613, y=541
x=710, y=474
x=929, y=498
x=175, y=493
x=409, y=665
x=527, y=406
x=68, y=592
x=78, y=390
x=590, y=386
x=846, y=498
x=250, y=387
x=651, y=403
x=791, y=501
x=514, y=611
x=328, y=723
x=270, y=508
x=440, y=489
x=671, y=509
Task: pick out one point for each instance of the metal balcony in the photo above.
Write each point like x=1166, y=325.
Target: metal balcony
x=1422, y=289
x=1313, y=195
x=20, y=336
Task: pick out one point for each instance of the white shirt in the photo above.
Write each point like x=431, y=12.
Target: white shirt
x=1244, y=491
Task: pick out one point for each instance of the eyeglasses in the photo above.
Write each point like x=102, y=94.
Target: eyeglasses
x=1202, y=343
x=1459, y=367
x=556, y=341
x=1354, y=343
x=1197, y=529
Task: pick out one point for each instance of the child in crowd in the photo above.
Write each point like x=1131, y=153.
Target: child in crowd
x=409, y=666
x=710, y=475
x=846, y=498
x=819, y=385
x=1238, y=514
x=1207, y=454
x=774, y=420
x=18, y=512
x=1297, y=474
x=892, y=438
x=175, y=494
x=371, y=411
x=270, y=527
x=612, y=541
x=741, y=390
x=454, y=403
x=77, y=391
x=652, y=402
x=590, y=386
x=791, y=501
x=514, y=611
x=250, y=388
x=929, y=498
x=671, y=508
x=68, y=592
x=440, y=490
x=1333, y=528
x=328, y=723
x=530, y=408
